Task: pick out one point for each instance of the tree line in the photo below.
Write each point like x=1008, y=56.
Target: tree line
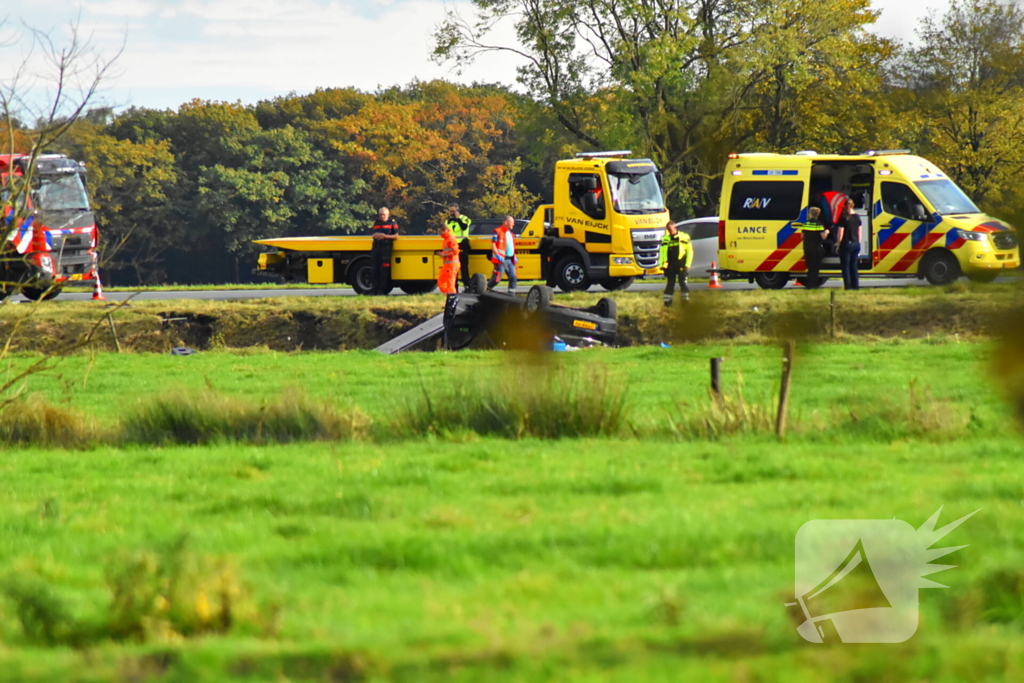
x=181, y=194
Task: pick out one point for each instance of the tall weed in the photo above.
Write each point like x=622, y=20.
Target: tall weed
x=212, y=418
x=543, y=401
x=34, y=421
x=723, y=415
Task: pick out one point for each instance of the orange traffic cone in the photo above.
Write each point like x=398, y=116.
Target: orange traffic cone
x=97, y=289
x=714, y=283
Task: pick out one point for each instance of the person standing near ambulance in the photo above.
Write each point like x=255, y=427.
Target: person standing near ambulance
x=446, y=280
x=813, y=235
x=849, y=246
x=385, y=232
x=459, y=225
x=503, y=255
x=676, y=258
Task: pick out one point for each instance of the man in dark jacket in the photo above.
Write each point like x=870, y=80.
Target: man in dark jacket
x=385, y=232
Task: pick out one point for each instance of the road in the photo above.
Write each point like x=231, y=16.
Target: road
x=235, y=294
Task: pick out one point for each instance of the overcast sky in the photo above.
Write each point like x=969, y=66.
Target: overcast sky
x=177, y=50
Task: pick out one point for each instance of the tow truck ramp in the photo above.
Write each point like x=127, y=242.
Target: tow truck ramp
x=422, y=332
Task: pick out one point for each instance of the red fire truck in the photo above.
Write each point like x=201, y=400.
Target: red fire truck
x=52, y=239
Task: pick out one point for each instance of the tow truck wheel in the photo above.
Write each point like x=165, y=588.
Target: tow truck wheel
x=360, y=276
x=614, y=284
x=812, y=284
x=571, y=274
x=39, y=294
x=771, y=280
x=940, y=267
x=537, y=299
x=477, y=284
x=417, y=286
x=607, y=308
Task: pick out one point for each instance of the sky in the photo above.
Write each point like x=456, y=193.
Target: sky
x=248, y=50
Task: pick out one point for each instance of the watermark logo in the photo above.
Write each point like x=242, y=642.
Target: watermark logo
x=857, y=580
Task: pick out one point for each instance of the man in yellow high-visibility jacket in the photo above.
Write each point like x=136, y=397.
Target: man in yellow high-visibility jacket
x=676, y=259
x=459, y=225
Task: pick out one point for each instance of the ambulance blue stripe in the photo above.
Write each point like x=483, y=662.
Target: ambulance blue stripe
x=788, y=229
x=886, y=233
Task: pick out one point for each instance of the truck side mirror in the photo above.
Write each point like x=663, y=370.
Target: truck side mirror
x=589, y=183
x=591, y=203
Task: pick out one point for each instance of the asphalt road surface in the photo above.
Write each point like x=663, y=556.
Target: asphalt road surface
x=234, y=294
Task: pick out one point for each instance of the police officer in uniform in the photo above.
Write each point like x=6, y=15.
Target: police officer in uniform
x=676, y=259
x=814, y=248
x=459, y=225
x=385, y=232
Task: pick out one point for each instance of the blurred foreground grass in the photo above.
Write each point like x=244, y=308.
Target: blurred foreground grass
x=460, y=557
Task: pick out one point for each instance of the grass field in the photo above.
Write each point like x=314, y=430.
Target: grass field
x=463, y=557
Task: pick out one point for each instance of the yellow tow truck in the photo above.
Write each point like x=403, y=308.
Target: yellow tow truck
x=604, y=227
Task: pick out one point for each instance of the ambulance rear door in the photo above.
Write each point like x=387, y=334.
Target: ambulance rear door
x=760, y=232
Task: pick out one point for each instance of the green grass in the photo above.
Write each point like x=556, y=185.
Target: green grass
x=463, y=557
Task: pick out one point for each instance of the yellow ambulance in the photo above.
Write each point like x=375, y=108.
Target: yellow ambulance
x=916, y=222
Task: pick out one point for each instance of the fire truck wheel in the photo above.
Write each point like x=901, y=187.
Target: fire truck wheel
x=940, y=267
x=571, y=274
x=537, y=299
x=614, y=284
x=360, y=276
x=771, y=280
x=477, y=284
x=37, y=294
x=607, y=308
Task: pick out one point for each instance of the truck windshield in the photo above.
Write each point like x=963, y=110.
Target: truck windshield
x=62, y=193
x=946, y=197
x=636, y=194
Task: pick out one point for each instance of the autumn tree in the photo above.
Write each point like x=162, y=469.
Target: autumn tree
x=962, y=87
x=683, y=81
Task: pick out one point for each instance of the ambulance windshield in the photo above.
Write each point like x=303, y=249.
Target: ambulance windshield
x=636, y=194
x=62, y=192
x=946, y=197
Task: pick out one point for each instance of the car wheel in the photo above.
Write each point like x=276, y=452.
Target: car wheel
x=571, y=274
x=771, y=280
x=940, y=267
x=537, y=299
x=477, y=284
x=607, y=308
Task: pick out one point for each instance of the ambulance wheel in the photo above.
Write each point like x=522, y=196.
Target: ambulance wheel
x=607, y=308
x=940, y=267
x=40, y=294
x=477, y=284
x=571, y=274
x=537, y=299
x=418, y=286
x=360, y=276
x=812, y=284
x=614, y=284
x=771, y=280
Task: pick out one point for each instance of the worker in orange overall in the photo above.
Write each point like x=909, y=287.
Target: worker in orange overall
x=449, y=261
